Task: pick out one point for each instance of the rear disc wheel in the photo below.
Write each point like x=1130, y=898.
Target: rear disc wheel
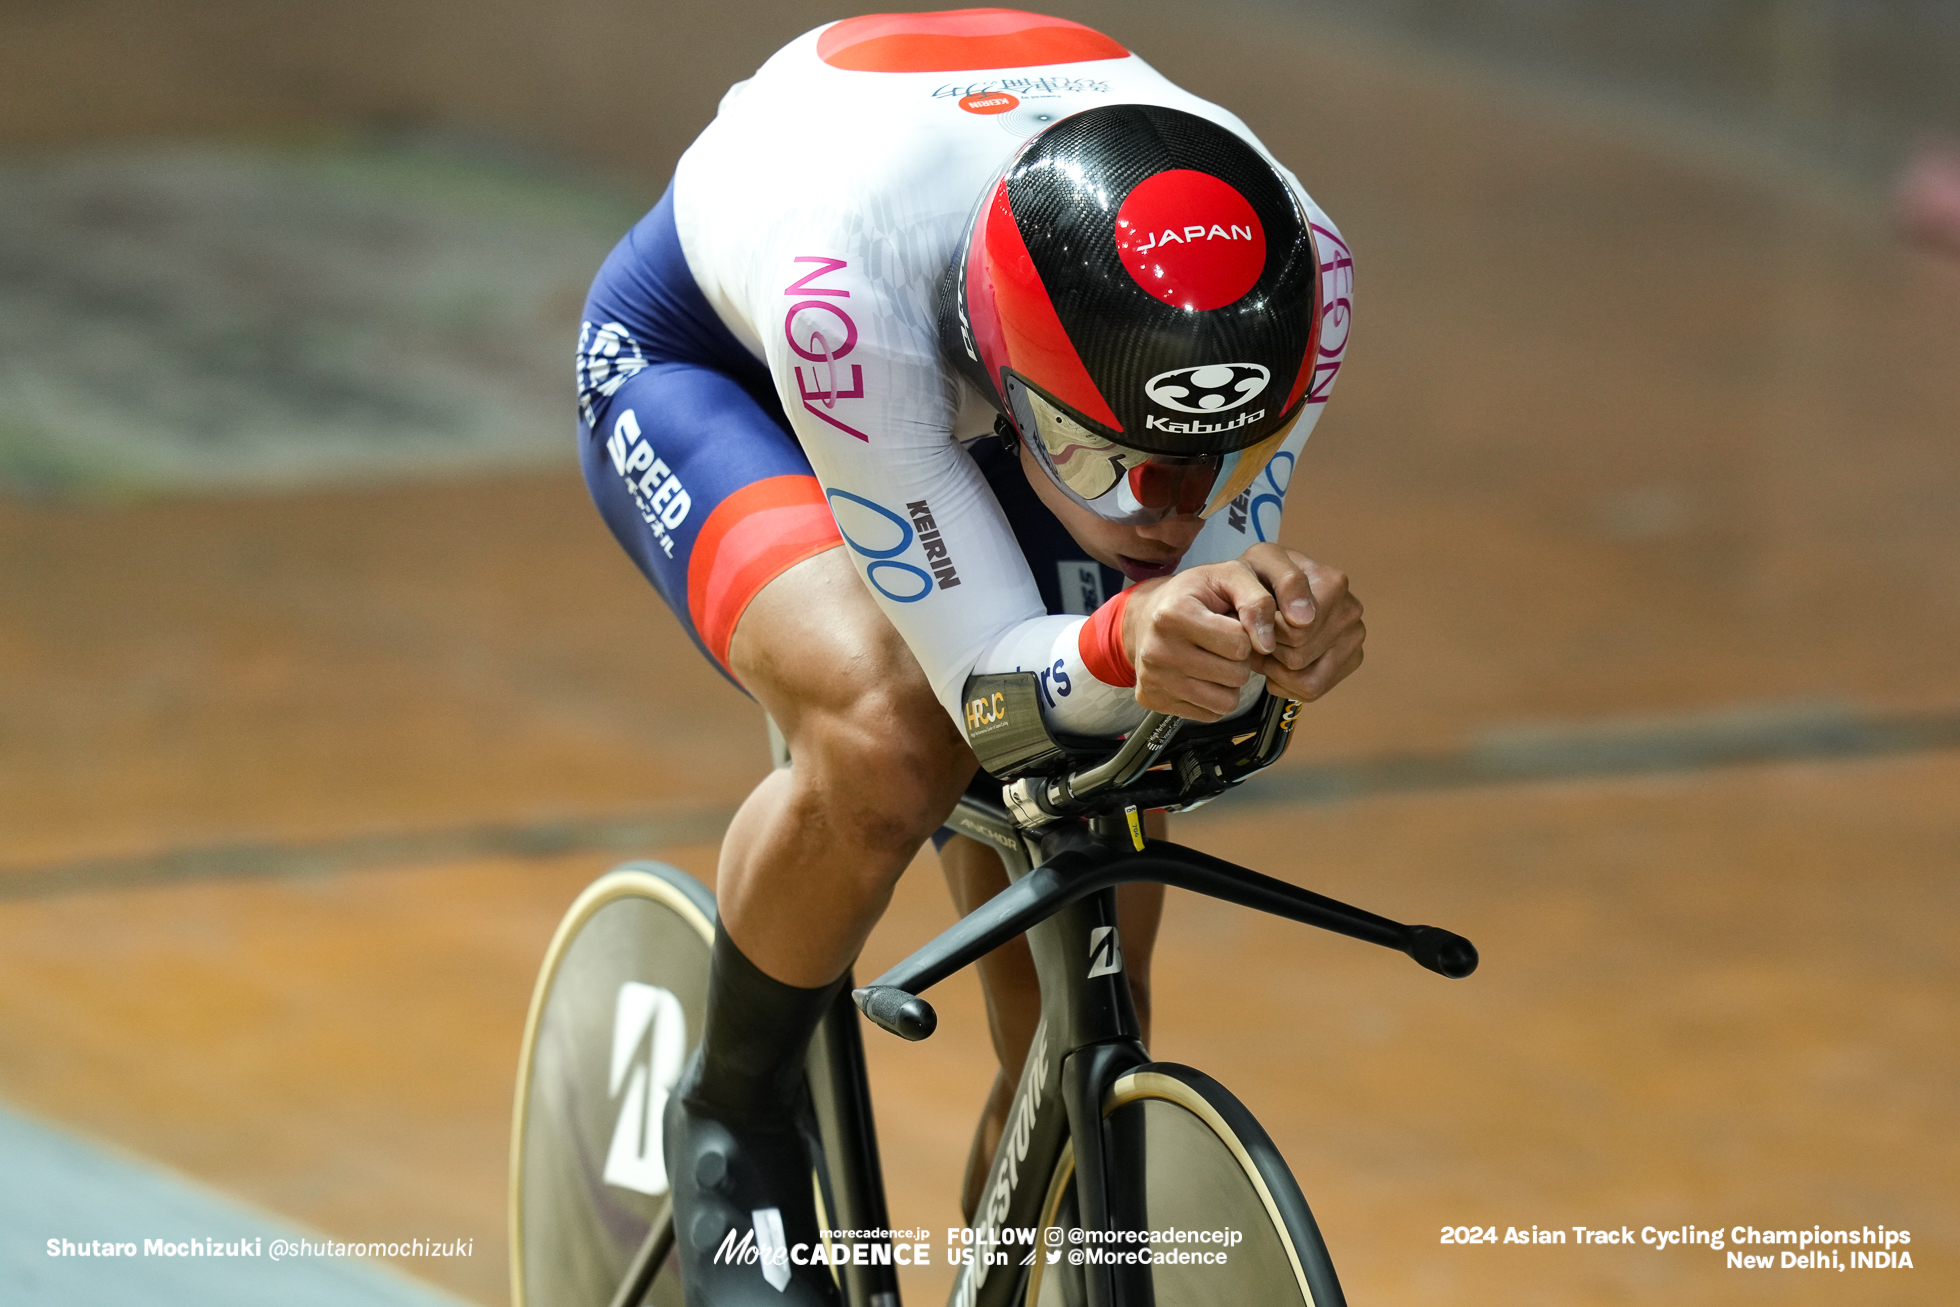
x=617, y=1011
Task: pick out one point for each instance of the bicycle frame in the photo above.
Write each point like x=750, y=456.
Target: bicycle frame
x=854, y=1180
x=1077, y=839
x=1088, y=1035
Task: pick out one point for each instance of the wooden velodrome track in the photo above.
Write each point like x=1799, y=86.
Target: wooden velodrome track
x=1642, y=441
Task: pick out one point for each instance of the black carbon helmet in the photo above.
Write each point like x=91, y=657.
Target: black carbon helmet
x=1137, y=291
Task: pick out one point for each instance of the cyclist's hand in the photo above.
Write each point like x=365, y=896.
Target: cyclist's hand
x=1309, y=637
x=1197, y=637
x=1193, y=638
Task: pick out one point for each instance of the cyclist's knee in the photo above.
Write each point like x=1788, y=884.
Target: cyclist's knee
x=888, y=760
x=873, y=752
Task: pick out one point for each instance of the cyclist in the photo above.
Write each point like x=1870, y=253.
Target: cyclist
x=960, y=343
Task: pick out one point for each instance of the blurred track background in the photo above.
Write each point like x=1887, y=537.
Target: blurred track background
x=323, y=690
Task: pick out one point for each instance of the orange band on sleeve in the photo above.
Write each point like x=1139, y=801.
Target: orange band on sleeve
x=751, y=538
x=1100, y=642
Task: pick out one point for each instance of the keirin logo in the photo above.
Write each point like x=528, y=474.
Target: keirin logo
x=930, y=540
x=650, y=1018
x=1212, y=388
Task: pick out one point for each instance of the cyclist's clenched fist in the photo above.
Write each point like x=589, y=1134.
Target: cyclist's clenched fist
x=1315, y=620
x=1198, y=637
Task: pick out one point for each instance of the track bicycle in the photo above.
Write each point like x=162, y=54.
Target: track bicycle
x=1108, y=1158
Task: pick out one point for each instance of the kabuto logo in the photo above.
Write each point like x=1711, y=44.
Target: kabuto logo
x=1199, y=427
x=1212, y=388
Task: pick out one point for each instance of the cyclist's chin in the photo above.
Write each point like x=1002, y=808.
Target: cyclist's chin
x=1139, y=553
x=1139, y=569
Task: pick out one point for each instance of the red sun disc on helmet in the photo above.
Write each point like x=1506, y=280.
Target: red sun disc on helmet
x=1190, y=239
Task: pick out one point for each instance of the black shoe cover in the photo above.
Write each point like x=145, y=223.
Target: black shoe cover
x=745, y=1218
x=740, y=1144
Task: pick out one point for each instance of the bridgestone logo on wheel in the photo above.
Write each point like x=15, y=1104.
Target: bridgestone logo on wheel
x=645, y=1017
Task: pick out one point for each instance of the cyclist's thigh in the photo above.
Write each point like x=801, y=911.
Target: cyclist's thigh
x=817, y=651
x=707, y=492
x=715, y=501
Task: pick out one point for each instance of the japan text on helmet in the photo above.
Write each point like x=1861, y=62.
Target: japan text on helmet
x=1137, y=292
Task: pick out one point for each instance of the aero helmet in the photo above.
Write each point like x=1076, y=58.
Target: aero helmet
x=1138, y=294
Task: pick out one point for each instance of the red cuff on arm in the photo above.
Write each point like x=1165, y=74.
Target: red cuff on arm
x=1100, y=642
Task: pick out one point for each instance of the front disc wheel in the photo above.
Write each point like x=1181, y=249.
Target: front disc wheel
x=1194, y=1166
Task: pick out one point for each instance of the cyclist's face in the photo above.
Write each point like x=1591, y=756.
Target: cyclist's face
x=1139, y=552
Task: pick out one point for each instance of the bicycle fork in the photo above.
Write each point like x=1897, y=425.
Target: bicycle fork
x=853, y=1191
x=1088, y=1036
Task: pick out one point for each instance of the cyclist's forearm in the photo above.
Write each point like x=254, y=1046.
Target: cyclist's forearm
x=1082, y=693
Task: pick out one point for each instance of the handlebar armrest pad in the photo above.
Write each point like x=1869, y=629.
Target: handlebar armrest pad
x=1004, y=726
